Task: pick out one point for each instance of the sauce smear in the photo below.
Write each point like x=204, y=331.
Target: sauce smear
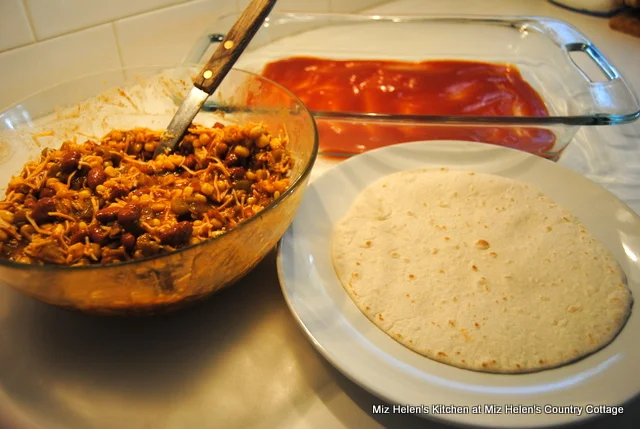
x=437, y=87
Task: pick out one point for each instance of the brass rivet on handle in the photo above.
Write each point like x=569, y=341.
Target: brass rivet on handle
x=207, y=74
x=228, y=44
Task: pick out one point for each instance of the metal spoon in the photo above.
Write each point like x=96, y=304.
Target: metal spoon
x=215, y=71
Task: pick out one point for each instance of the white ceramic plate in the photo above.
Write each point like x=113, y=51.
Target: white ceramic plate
x=394, y=373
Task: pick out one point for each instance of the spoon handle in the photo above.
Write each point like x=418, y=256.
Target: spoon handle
x=233, y=45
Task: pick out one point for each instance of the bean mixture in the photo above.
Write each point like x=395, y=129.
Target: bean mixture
x=108, y=201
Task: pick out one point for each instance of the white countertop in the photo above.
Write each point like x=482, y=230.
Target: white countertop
x=240, y=360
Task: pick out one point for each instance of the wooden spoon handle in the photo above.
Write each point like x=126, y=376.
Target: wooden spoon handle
x=233, y=45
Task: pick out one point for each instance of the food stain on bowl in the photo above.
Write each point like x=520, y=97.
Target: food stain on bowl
x=5, y=152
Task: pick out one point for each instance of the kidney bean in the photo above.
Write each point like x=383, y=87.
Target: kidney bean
x=96, y=177
x=29, y=202
x=107, y=214
x=128, y=217
x=177, y=234
x=237, y=172
x=78, y=237
x=46, y=192
x=231, y=160
x=128, y=240
x=97, y=235
x=41, y=209
x=119, y=192
x=190, y=161
x=54, y=170
x=83, y=171
x=70, y=161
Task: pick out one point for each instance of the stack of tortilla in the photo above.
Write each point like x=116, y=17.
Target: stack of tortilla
x=479, y=271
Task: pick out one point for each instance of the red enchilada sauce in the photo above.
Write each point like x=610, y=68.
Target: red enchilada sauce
x=442, y=87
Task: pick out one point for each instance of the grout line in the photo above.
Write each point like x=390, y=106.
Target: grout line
x=72, y=31
x=57, y=36
x=173, y=3
x=27, y=12
x=115, y=35
x=15, y=48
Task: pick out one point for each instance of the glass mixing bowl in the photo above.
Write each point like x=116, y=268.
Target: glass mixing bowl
x=127, y=98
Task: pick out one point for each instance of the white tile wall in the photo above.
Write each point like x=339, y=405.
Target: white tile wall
x=14, y=25
x=44, y=42
x=54, y=17
x=296, y=5
x=338, y=6
x=165, y=36
x=29, y=69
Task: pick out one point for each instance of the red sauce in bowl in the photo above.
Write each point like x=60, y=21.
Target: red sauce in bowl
x=437, y=87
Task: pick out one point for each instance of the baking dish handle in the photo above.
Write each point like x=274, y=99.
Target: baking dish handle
x=203, y=44
x=596, y=56
x=611, y=97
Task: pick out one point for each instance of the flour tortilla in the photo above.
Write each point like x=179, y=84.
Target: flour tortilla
x=478, y=271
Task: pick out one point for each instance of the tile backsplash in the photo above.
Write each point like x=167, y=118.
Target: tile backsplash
x=38, y=66
x=15, y=29
x=44, y=42
x=164, y=36
x=54, y=17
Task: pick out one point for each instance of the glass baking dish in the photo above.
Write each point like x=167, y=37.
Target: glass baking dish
x=578, y=84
